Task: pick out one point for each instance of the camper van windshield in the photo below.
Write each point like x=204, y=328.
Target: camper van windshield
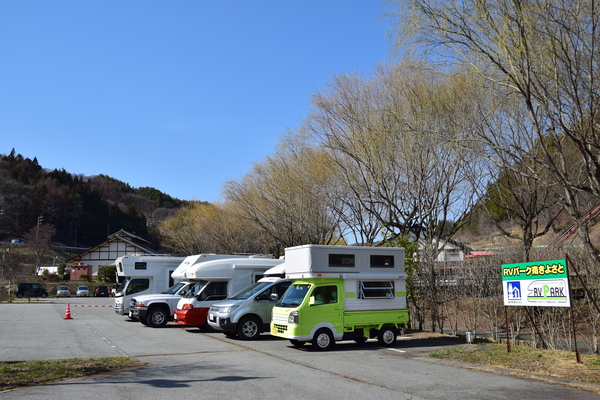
x=250, y=291
x=197, y=288
x=294, y=295
x=173, y=289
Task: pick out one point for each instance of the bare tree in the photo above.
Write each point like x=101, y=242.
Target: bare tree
x=523, y=199
x=213, y=228
x=14, y=269
x=287, y=196
x=398, y=140
x=39, y=239
x=545, y=54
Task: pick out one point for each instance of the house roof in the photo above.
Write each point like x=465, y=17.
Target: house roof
x=485, y=253
x=122, y=236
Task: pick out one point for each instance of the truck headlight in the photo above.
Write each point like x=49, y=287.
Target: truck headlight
x=293, y=317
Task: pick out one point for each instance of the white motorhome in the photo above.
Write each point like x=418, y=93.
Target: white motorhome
x=143, y=275
x=217, y=280
x=248, y=313
x=155, y=310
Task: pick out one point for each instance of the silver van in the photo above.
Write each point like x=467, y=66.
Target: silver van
x=248, y=313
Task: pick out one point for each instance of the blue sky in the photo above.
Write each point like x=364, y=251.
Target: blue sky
x=177, y=95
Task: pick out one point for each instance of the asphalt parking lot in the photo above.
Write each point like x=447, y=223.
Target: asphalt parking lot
x=187, y=362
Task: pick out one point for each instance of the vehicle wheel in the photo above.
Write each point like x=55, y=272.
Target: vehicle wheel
x=143, y=320
x=248, y=328
x=44, y=295
x=297, y=343
x=206, y=327
x=387, y=336
x=20, y=295
x=157, y=317
x=323, y=340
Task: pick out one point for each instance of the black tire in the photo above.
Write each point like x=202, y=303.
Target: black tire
x=157, y=317
x=44, y=295
x=361, y=340
x=297, y=343
x=249, y=328
x=323, y=340
x=387, y=336
x=206, y=327
x=143, y=320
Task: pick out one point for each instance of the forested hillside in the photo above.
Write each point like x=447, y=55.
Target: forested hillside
x=82, y=210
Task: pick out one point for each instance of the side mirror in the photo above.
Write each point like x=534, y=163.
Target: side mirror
x=274, y=297
x=311, y=301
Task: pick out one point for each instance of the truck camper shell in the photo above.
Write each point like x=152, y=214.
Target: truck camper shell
x=312, y=258
x=226, y=268
x=181, y=272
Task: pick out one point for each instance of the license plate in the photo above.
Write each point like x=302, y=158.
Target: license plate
x=130, y=314
x=273, y=331
x=175, y=317
x=211, y=318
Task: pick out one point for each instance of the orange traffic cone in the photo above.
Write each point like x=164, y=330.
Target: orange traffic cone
x=68, y=313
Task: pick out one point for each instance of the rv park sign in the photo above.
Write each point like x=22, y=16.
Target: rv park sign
x=541, y=283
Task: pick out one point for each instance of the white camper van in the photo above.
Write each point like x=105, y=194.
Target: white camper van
x=143, y=275
x=248, y=313
x=155, y=310
x=217, y=280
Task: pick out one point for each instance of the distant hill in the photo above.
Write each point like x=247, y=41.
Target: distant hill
x=83, y=210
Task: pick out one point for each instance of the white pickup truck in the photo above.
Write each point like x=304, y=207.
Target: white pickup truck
x=156, y=310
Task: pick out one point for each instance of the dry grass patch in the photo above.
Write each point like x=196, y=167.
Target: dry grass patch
x=18, y=374
x=554, y=363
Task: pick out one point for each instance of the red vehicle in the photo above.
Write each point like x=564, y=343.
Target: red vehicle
x=101, y=291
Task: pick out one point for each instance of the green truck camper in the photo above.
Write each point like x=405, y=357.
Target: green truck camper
x=342, y=293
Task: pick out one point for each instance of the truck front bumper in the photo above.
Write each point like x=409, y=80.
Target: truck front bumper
x=193, y=317
x=223, y=324
x=138, y=312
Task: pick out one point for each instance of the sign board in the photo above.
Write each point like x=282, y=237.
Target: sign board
x=542, y=283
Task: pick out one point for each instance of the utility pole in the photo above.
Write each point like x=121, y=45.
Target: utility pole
x=40, y=219
x=3, y=261
x=37, y=243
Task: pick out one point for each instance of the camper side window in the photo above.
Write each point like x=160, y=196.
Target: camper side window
x=378, y=261
x=376, y=290
x=140, y=265
x=341, y=260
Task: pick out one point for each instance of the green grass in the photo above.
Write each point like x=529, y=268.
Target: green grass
x=19, y=374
